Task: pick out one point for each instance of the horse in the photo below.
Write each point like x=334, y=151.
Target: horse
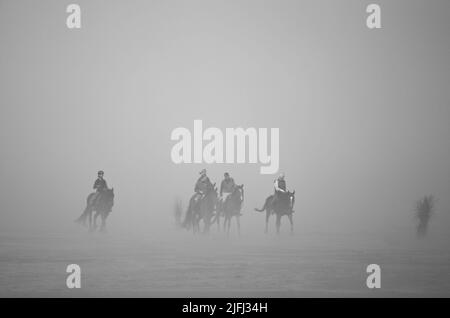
x=102, y=207
x=201, y=210
x=283, y=206
x=232, y=207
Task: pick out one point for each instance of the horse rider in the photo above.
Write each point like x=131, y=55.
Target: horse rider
x=279, y=187
x=100, y=186
x=226, y=188
x=201, y=186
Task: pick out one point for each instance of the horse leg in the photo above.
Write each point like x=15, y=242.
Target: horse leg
x=225, y=224
x=228, y=224
x=95, y=219
x=192, y=221
x=206, y=224
x=195, y=224
x=103, y=226
x=208, y=221
x=238, y=221
x=278, y=223
x=218, y=220
x=267, y=221
x=90, y=219
x=292, y=223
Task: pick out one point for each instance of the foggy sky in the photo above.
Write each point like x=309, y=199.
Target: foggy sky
x=364, y=115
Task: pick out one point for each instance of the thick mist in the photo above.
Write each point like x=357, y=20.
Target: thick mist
x=363, y=114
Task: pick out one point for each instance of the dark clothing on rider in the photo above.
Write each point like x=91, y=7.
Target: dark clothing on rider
x=227, y=186
x=100, y=185
x=202, y=184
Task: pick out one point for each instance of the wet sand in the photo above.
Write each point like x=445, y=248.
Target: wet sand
x=215, y=266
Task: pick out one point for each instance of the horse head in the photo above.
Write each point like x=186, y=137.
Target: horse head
x=291, y=196
x=240, y=189
x=236, y=196
x=110, y=192
x=211, y=188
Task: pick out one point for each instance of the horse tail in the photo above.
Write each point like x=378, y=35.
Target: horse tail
x=188, y=216
x=82, y=218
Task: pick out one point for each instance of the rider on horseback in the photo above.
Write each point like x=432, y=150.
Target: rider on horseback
x=201, y=186
x=280, y=187
x=100, y=186
x=93, y=203
x=226, y=188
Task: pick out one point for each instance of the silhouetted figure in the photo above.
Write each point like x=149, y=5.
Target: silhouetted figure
x=101, y=201
x=280, y=203
x=279, y=186
x=424, y=210
x=201, y=186
x=227, y=187
x=202, y=204
x=99, y=186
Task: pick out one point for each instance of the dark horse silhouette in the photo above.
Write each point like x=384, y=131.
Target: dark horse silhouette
x=232, y=207
x=102, y=208
x=201, y=210
x=283, y=206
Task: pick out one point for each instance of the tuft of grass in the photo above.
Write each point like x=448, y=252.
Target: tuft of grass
x=425, y=208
